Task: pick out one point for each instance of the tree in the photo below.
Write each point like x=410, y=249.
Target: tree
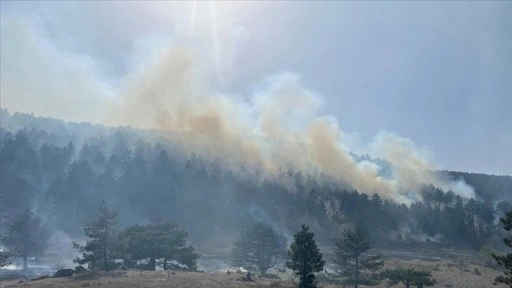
x=26, y=236
x=505, y=260
x=166, y=241
x=100, y=251
x=259, y=246
x=409, y=277
x=356, y=267
x=4, y=258
x=305, y=257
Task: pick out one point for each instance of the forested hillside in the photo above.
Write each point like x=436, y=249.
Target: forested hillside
x=61, y=171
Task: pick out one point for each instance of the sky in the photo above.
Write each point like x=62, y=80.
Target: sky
x=438, y=74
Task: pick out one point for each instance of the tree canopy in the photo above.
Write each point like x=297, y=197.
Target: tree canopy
x=305, y=257
x=410, y=277
x=4, y=258
x=166, y=241
x=26, y=236
x=259, y=246
x=506, y=260
x=100, y=251
x=355, y=265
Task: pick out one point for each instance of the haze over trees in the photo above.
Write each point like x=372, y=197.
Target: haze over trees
x=26, y=236
x=305, y=258
x=258, y=246
x=62, y=170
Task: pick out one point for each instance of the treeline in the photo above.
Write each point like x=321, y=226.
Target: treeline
x=155, y=182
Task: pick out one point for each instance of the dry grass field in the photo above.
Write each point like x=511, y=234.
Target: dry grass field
x=447, y=273
x=153, y=279
x=452, y=269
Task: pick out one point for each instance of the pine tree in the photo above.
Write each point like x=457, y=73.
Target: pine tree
x=305, y=257
x=99, y=252
x=355, y=267
x=505, y=260
x=166, y=241
x=259, y=246
x=26, y=236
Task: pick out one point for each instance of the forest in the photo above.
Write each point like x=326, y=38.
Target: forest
x=61, y=171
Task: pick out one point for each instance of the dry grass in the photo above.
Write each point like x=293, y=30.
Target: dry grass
x=151, y=279
x=452, y=269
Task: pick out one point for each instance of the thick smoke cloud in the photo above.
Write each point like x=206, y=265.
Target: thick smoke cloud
x=281, y=127
x=179, y=88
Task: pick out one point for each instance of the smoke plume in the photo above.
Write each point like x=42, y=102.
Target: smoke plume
x=277, y=128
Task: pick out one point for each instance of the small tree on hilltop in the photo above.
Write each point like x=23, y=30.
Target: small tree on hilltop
x=26, y=236
x=355, y=266
x=259, y=246
x=505, y=260
x=100, y=250
x=410, y=277
x=305, y=257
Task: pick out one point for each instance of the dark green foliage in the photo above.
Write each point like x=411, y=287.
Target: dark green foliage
x=506, y=260
x=410, y=277
x=26, y=236
x=354, y=264
x=259, y=246
x=305, y=257
x=100, y=251
x=166, y=242
x=5, y=258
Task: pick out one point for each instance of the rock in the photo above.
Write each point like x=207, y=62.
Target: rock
x=63, y=273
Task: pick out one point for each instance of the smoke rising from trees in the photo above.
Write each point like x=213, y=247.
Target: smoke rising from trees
x=277, y=128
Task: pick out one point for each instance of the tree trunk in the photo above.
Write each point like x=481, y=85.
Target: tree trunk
x=25, y=263
x=104, y=256
x=303, y=280
x=357, y=272
x=152, y=264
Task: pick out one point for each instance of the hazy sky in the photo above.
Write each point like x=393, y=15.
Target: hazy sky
x=437, y=73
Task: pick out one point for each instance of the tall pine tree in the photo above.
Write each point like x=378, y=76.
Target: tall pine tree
x=26, y=236
x=355, y=266
x=100, y=250
x=505, y=260
x=305, y=257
